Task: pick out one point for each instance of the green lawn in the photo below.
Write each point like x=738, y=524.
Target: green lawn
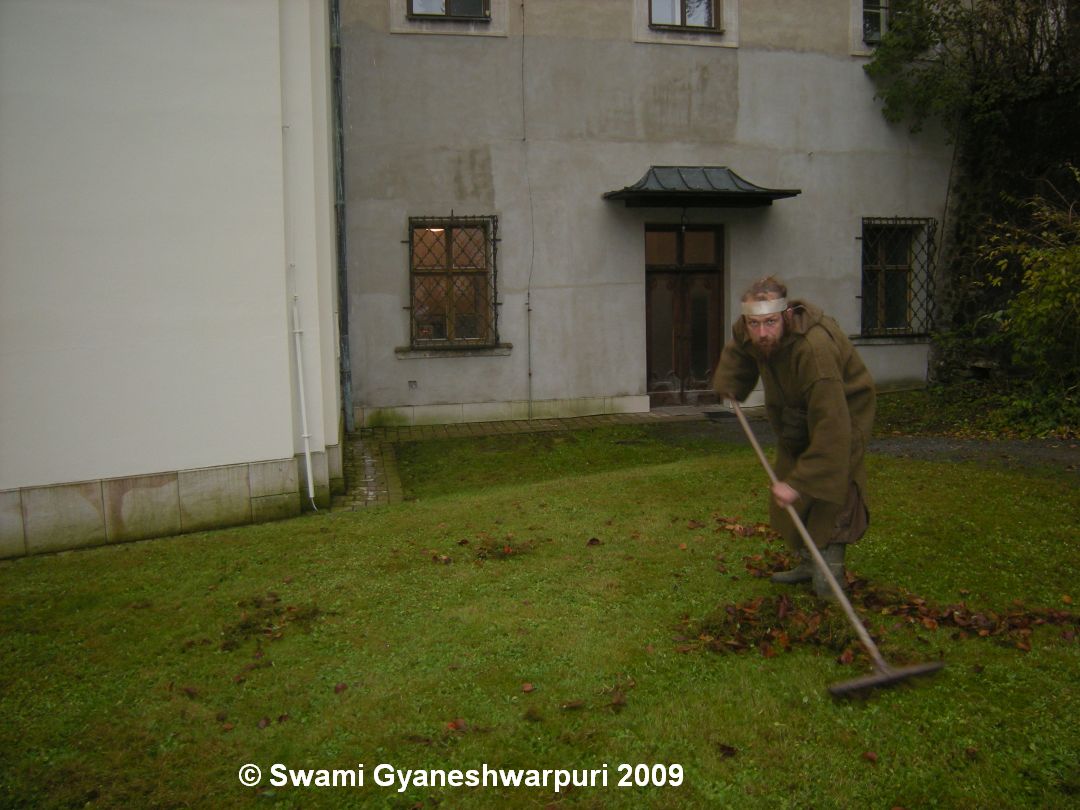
x=557, y=602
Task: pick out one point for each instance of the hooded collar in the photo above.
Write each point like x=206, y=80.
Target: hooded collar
x=800, y=317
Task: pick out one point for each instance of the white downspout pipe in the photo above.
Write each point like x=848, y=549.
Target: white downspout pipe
x=297, y=333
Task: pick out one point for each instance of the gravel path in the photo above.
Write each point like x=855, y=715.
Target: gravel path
x=1063, y=456
x=1047, y=453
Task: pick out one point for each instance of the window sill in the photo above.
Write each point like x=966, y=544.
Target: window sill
x=685, y=29
x=887, y=340
x=445, y=18
x=410, y=353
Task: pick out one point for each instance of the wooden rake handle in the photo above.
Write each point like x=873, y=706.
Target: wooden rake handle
x=811, y=546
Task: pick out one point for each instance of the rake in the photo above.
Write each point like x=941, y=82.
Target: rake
x=884, y=674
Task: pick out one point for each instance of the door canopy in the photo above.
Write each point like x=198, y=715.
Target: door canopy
x=696, y=187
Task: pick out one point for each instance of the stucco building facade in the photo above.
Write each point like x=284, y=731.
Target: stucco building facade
x=502, y=125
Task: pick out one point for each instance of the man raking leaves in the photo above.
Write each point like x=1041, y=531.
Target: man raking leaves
x=820, y=401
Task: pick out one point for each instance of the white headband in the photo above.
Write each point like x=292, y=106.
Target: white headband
x=764, y=307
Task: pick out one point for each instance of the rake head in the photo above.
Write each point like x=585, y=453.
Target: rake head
x=887, y=676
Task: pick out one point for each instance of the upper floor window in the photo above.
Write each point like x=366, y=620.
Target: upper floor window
x=897, y=275
x=877, y=16
x=693, y=15
x=452, y=281
x=450, y=9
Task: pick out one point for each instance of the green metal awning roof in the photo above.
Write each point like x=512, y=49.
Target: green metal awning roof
x=697, y=187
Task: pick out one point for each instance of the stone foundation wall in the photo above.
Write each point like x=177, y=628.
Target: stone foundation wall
x=36, y=520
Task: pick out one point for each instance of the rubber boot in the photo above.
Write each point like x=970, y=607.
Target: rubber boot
x=834, y=558
x=803, y=572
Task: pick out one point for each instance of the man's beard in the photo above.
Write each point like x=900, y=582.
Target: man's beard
x=766, y=346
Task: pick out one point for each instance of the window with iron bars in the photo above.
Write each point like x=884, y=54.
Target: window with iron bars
x=897, y=276
x=877, y=15
x=452, y=281
x=450, y=9
x=695, y=15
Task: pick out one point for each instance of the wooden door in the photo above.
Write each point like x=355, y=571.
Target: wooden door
x=683, y=313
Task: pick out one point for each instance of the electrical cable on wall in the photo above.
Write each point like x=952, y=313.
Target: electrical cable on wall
x=305, y=435
x=290, y=282
x=532, y=221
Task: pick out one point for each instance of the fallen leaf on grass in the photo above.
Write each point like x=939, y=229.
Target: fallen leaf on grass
x=457, y=724
x=593, y=541
x=870, y=757
x=736, y=527
x=527, y=687
x=770, y=624
x=573, y=705
x=783, y=607
x=767, y=564
x=339, y=688
x=264, y=722
x=726, y=751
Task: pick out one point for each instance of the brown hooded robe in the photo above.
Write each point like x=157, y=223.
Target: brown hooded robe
x=820, y=401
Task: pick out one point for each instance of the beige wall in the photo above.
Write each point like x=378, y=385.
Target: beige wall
x=155, y=223
x=555, y=104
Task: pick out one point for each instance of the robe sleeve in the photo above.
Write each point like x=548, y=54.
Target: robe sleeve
x=822, y=470
x=736, y=373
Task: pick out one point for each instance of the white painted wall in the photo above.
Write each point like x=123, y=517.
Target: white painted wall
x=148, y=212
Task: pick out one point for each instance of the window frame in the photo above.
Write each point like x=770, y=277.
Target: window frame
x=446, y=15
x=884, y=9
x=917, y=269
x=683, y=271
x=451, y=271
x=681, y=265
x=716, y=28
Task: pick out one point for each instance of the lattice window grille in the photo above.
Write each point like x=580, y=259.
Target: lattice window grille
x=453, y=279
x=897, y=275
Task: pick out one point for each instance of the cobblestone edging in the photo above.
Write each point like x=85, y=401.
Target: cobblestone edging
x=370, y=455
